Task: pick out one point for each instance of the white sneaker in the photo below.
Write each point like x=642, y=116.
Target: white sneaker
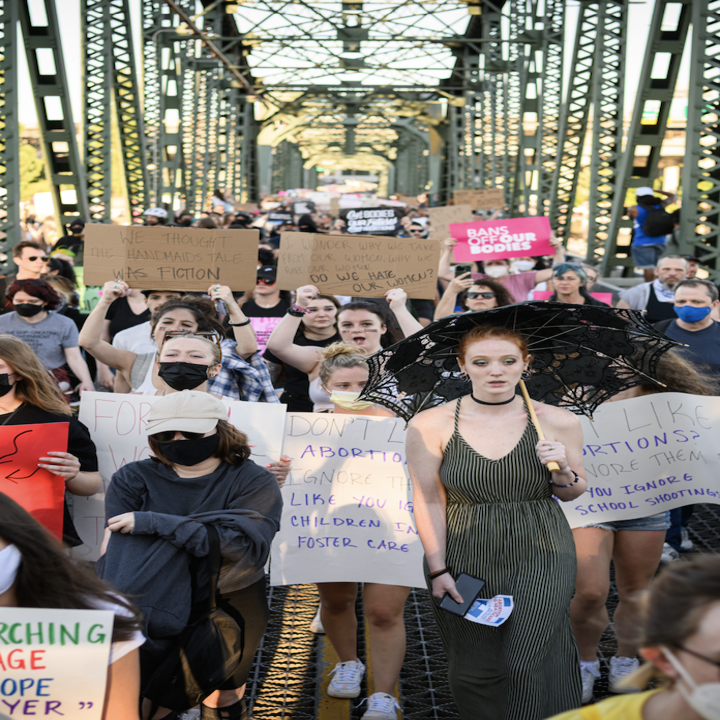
x=381, y=706
x=316, y=625
x=346, y=680
x=669, y=554
x=589, y=672
x=685, y=542
x=621, y=667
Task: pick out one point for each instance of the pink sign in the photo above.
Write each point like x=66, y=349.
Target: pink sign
x=546, y=294
x=498, y=239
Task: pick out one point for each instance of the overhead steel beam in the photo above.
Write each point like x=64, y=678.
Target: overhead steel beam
x=54, y=112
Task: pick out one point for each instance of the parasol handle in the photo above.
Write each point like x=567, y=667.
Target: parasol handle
x=552, y=466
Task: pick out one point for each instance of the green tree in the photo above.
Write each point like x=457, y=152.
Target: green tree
x=32, y=172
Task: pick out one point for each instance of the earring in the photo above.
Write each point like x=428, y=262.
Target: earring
x=526, y=373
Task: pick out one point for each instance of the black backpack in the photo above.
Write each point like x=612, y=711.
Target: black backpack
x=206, y=653
x=658, y=222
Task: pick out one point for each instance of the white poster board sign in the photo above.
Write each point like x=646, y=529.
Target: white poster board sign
x=118, y=427
x=54, y=662
x=347, y=514
x=646, y=455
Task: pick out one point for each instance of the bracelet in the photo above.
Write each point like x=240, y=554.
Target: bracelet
x=296, y=311
x=577, y=477
x=438, y=573
x=240, y=324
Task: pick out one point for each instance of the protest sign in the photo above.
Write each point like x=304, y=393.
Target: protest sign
x=303, y=207
x=363, y=265
x=498, y=239
x=279, y=217
x=334, y=205
x=646, y=455
x=348, y=512
x=409, y=200
x=39, y=491
x=160, y=258
x=486, y=199
x=54, y=662
x=373, y=221
x=547, y=294
x=441, y=217
x=118, y=427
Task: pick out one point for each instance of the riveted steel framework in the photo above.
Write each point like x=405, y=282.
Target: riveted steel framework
x=52, y=104
x=9, y=133
x=641, y=156
x=700, y=216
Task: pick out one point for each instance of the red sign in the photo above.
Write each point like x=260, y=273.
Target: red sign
x=498, y=239
x=39, y=491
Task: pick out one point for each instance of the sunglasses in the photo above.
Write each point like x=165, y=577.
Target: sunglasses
x=483, y=295
x=416, y=231
x=266, y=281
x=169, y=435
x=204, y=334
x=33, y=258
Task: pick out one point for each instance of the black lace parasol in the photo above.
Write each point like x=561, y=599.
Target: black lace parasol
x=582, y=355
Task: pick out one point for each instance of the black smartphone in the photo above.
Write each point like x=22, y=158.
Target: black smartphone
x=469, y=588
x=462, y=269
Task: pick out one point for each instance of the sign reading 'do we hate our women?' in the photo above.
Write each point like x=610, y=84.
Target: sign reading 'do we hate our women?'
x=646, y=455
x=499, y=239
x=360, y=265
x=162, y=258
x=54, y=662
x=118, y=427
x=347, y=510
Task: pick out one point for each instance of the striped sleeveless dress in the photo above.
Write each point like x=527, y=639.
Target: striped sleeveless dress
x=504, y=526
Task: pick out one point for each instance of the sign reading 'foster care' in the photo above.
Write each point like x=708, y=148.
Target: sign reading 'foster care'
x=160, y=258
x=498, y=239
x=363, y=266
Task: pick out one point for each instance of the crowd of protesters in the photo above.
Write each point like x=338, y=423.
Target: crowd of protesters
x=201, y=490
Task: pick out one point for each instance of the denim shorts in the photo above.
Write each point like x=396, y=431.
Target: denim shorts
x=661, y=521
x=646, y=256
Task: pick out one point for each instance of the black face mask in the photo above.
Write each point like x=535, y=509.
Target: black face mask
x=190, y=452
x=28, y=309
x=183, y=375
x=5, y=385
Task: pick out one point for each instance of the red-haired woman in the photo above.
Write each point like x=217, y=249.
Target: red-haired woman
x=53, y=337
x=485, y=504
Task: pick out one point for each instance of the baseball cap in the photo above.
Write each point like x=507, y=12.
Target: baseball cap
x=267, y=272
x=644, y=191
x=188, y=410
x=157, y=212
x=77, y=222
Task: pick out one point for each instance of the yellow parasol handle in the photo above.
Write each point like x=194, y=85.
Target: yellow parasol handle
x=552, y=466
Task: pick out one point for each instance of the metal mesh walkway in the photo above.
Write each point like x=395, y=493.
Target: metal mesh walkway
x=292, y=663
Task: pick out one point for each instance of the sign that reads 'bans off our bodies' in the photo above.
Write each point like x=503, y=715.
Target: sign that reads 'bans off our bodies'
x=359, y=265
x=160, y=258
x=54, y=663
x=499, y=239
x=347, y=504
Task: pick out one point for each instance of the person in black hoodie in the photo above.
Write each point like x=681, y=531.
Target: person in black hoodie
x=158, y=511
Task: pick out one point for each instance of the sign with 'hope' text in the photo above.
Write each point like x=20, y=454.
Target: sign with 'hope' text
x=498, y=239
x=347, y=511
x=54, y=662
x=646, y=455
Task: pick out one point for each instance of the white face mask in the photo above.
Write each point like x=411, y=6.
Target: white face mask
x=10, y=559
x=703, y=699
x=523, y=265
x=496, y=271
x=348, y=400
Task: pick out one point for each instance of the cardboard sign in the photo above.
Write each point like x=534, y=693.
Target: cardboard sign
x=160, y=258
x=39, y=491
x=409, y=200
x=335, y=206
x=485, y=199
x=547, y=294
x=118, y=427
x=646, y=455
x=347, y=512
x=441, y=217
x=363, y=266
x=373, y=221
x=54, y=662
x=498, y=239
